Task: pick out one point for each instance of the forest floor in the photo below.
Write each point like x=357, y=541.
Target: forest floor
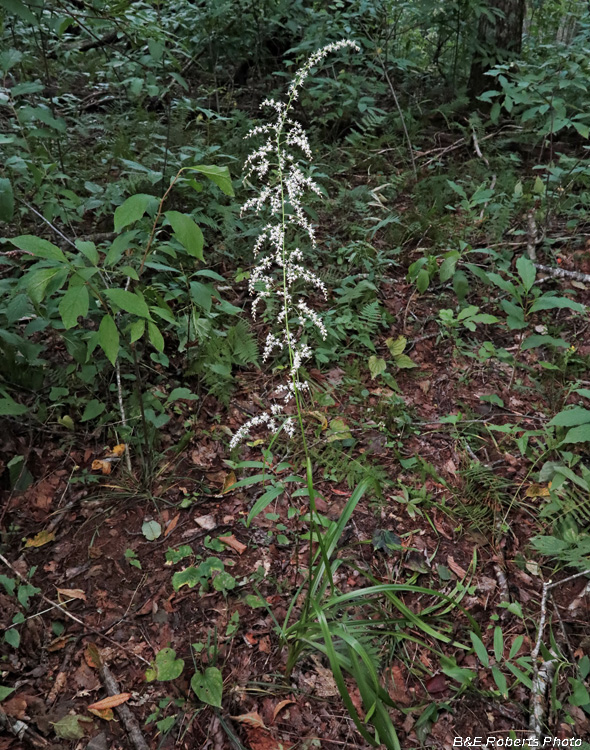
x=438, y=523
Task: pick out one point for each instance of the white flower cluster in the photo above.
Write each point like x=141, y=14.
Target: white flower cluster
x=280, y=265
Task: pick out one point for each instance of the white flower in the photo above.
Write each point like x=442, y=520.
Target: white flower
x=280, y=265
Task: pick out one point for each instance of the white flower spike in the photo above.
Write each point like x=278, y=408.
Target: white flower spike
x=281, y=266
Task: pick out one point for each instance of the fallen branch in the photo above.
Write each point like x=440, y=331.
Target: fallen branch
x=128, y=719
x=542, y=675
x=561, y=273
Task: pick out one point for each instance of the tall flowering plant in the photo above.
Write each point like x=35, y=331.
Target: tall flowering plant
x=281, y=261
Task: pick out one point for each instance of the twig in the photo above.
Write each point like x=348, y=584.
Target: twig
x=22, y=731
x=73, y=617
x=542, y=675
x=562, y=273
x=128, y=719
x=49, y=224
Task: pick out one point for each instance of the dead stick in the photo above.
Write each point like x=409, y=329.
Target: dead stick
x=128, y=719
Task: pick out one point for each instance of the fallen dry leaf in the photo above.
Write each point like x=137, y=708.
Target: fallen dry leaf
x=253, y=719
x=104, y=713
x=206, y=522
x=111, y=702
x=232, y=542
x=436, y=684
x=100, y=465
x=280, y=706
x=71, y=594
x=537, y=490
x=15, y=707
x=456, y=568
x=172, y=525
x=92, y=656
x=229, y=481
x=43, y=537
x=119, y=450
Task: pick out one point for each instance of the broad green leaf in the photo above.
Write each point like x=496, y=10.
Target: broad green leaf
x=131, y=302
x=208, y=686
x=579, y=696
x=184, y=393
x=74, y=304
x=18, y=9
x=136, y=330
x=579, y=434
x=88, y=250
x=538, y=339
x=448, y=266
x=187, y=233
x=10, y=408
x=377, y=366
x=69, y=728
x=422, y=281
x=527, y=271
x=201, y=294
x=108, y=338
x=166, y=666
x=571, y=417
x=12, y=637
x=93, y=409
x=551, y=303
x=5, y=692
x=505, y=285
x=38, y=282
x=404, y=362
x=6, y=200
x=188, y=577
x=156, y=337
x=39, y=247
x=480, y=649
x=219, y=175
x=132, y=210
x=396, y=346
x=151, y=530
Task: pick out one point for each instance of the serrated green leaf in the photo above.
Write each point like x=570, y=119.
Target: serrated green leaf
x=73, y=304
x=208, y=686
x=571, y=417
x=136, y=330
x=579, y=434
x=132, y=210
x=131, y=302
x=219, y=175
x=108, y=338
x=39, y=248
x=6, y=200
x=187, y=232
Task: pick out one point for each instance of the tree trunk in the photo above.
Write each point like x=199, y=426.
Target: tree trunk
x=499, y=39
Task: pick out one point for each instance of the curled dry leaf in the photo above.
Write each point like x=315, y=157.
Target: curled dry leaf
x=280, y=706
x=102, y=465
x=119, y=450
x=71, y=594
x=252, y=719
x=111, y=702
x=232, y=542
x=104, y=713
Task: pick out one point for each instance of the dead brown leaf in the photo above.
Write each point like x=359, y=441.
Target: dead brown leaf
x=234, y=543
x=71, y=594
x=456, y=568
x=111, y=702
x=172, y=525
x=40, y=539
x=280, y=706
